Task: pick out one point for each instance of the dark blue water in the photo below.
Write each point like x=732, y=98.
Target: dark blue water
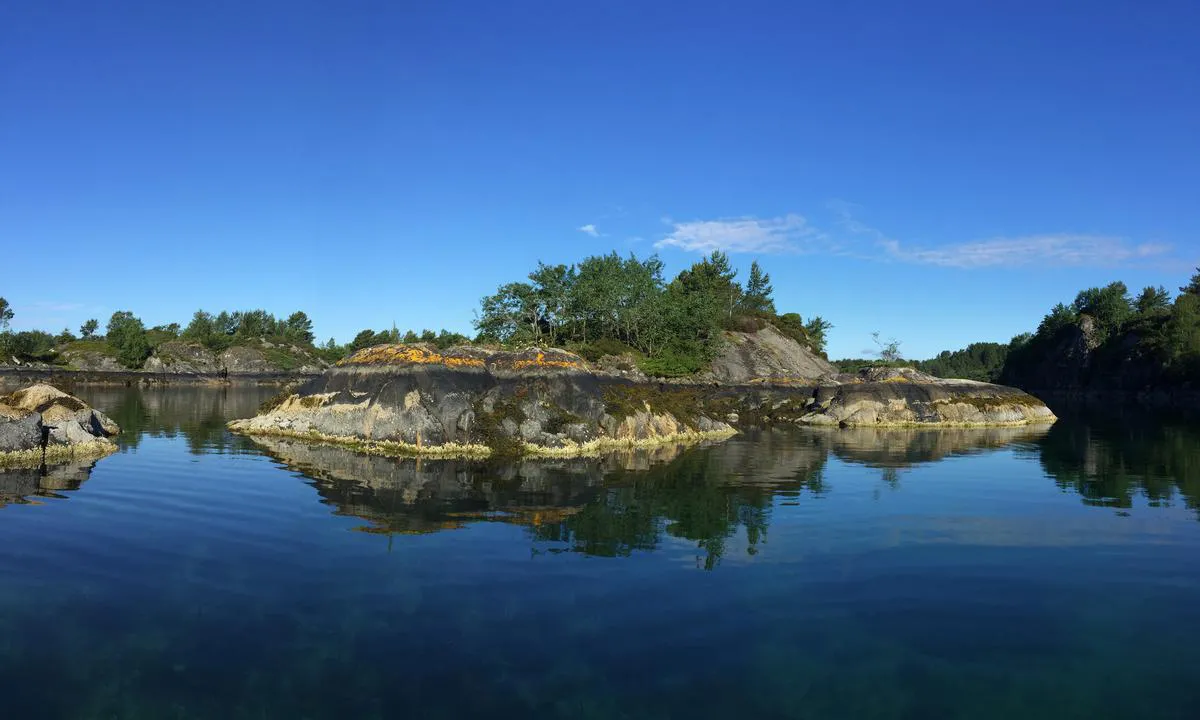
x=783, y=574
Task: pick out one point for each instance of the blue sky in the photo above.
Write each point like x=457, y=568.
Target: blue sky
x=941, y=172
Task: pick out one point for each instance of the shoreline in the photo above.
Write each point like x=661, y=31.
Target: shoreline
x=68, y=376
x=390, y=448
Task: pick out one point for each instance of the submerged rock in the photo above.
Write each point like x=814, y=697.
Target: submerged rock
x=68, y=426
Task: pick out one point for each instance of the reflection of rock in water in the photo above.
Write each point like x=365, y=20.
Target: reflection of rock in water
x=20, y=485
x=418, y=495
x=904, y=447
x=622, y=503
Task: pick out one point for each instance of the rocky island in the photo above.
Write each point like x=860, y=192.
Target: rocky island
x=41, y=423
x=402, y=399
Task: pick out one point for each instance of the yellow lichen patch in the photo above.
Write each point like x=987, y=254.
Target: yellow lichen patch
x=897, y=379
x=542, y=361
x=408, y=354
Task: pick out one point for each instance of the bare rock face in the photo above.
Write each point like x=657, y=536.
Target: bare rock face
x=70, y=428
x=767, y=356
x=268, y=359
x=91, y=360
x=415, y=399
x=183, y=357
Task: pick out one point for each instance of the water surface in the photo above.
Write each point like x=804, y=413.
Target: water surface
x=797, y=574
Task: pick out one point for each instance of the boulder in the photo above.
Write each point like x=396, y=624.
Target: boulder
x=21, y=434
x=77, y=430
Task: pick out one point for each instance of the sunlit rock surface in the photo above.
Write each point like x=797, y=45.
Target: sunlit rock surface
x=41, y=423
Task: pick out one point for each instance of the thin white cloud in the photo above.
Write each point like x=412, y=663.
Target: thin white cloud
x=1045, y=250
x=1042, y=250
x=589, y=229
x=789, y=233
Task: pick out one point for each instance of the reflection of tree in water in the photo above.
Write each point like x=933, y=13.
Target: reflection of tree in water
x=704, y=496
x=623, y=503
x=198, y=412
x=1111, y=461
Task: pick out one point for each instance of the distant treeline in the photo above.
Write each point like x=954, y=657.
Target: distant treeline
x=983, y=361
x=1105, y=339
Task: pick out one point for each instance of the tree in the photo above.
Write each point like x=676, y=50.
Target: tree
x=1152, y=299
x=298, y=328
x=552, y=286
x=889, y=350
x=757, y=298
x=256, y=324
x=1059, y=317
x=369, y=338
x=816, y=329
x=1110, y=306
x=126, y=335
x=6, y=314
x=511, y=315
x=88, y=329
x=65, y=337
x=1193, y=286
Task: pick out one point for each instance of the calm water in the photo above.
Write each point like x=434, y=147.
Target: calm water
x=793, y=574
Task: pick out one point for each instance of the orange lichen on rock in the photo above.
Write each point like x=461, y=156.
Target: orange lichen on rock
x=409, y=355
x=540, y=361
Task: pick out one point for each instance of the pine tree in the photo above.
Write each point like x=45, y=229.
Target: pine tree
x=757, y=298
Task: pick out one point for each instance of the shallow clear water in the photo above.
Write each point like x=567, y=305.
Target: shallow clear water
x=797, y=574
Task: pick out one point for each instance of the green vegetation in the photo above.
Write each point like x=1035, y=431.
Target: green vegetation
x=126, y=336
x=981, y=361
x=1134, y=343
x=622, y=304
x=226, y=329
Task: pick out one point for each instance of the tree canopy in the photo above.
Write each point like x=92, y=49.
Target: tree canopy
x=625, y=304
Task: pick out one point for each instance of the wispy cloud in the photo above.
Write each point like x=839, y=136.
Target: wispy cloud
x=847, y=236
x=589, y=229
x=1057, y=250
x=1045, y=250
x=789, y=233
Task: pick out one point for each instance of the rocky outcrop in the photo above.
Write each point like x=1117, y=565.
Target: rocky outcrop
x=904, y=397
x=767, y=356
x=181, y=358
x=265, y=358
x=413, y=399
x=42, y=421
x=89, y=356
